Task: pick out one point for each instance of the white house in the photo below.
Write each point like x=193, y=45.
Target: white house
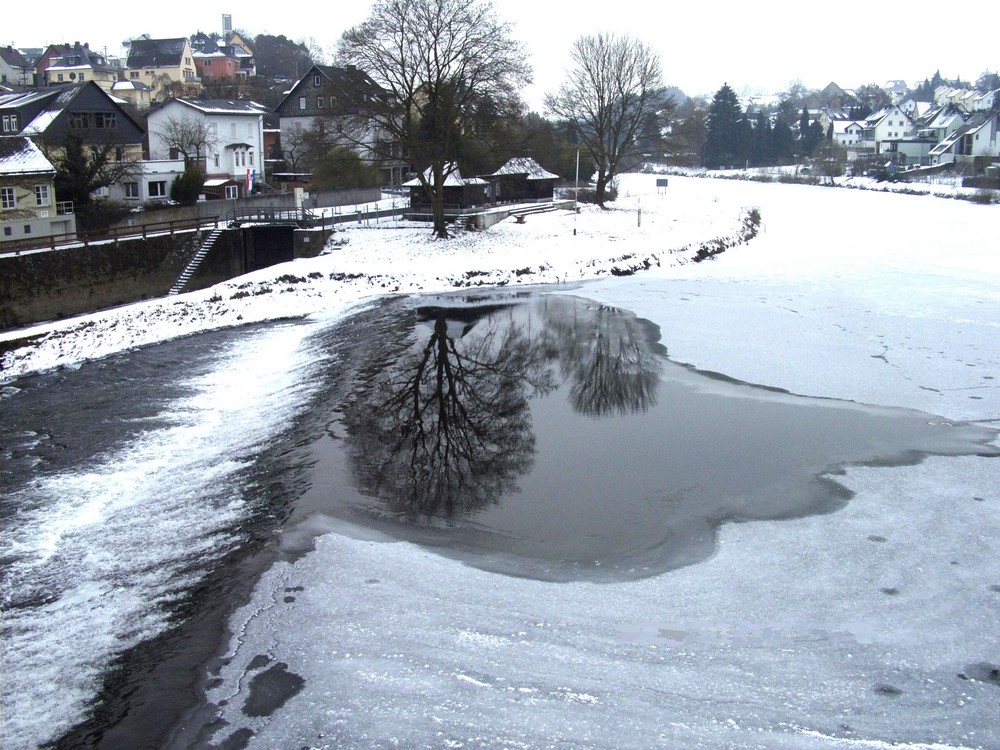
x=150, y=181
x=979, y=137
x=230, y=135
x=889, y=124
x=847, y=133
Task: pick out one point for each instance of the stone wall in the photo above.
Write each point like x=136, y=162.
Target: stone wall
x=49, y=284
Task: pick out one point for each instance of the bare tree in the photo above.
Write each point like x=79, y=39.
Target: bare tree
x=191, y=138
x=438, y=62
x=608, y=94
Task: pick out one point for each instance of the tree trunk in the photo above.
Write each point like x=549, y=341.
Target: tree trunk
x=436, y=191
x=601, y=189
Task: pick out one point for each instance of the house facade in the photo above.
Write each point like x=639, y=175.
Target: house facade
x=28, y=204
x=847, y=133
x=75, y=63
x=331, y=100
x=232, y=133
x=136, y=93
x=15, y=70
x=150, y=181
x=165, y=65
x=889, y=124
x=50, y=116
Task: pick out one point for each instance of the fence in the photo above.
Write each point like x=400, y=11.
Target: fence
x=54, y=241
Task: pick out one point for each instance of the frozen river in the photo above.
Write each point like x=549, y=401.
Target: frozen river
x=696, y=516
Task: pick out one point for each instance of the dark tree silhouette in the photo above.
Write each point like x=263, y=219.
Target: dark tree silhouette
x=441, y=426
x=446, y=428
x=611, y=90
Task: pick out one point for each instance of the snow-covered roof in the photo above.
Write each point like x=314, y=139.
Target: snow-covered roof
x=527, y=166
x=453, y=178
x=19, y=155
x=842, y=126
x=221, y=106
x=125, y=85
x=41, y=123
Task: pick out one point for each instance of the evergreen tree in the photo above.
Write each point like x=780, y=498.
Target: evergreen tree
x=782, y=143
x=722, y=141
x=762, y=155
x=744, y=142
x=810, y=134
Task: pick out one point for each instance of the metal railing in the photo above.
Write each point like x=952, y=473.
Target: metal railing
x=85, y=238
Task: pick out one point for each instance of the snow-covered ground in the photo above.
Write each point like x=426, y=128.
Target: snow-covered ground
x=872, y=627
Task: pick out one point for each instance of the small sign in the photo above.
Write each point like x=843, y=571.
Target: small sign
x=661, y=182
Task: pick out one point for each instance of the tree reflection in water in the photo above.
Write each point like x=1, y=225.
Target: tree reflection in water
x=604, y=354
x=446, y=427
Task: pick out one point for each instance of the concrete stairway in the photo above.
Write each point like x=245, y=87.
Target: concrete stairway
x=193, y=264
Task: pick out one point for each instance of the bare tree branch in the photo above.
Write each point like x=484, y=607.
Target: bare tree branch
x=607, y=95
x=437, y=60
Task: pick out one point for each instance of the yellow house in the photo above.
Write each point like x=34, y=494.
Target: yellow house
x=28, y=205
x=165, y=65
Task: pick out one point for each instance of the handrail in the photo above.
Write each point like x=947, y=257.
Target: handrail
x=85, y=238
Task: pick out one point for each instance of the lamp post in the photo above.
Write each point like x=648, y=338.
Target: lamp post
x=576, y=192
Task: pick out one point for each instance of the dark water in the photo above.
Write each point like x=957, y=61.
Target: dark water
x=551, y=437
x=541, y=436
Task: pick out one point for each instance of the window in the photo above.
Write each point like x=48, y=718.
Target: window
x=319, y=102
x=302, y=102
x=232, y=191
x=119, y=153
x=250, y=156
x=60, y=77
x=41, y=195
x=10, y=123
x=79, y=120
x=7, y=231
x=7, y=198
x=105, y=120
x=133, y=74
x=131, y=189
x=27, y=228
x=317, y=81
x=157, y=189
x=249, y=130
x=232, y=130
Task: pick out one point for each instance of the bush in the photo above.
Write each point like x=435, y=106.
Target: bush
x=589, y=194
x=985, y=196
x=188, y=187
x=98, y=215
x=342, y=168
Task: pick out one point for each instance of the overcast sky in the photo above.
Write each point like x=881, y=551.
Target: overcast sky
x=760, y=46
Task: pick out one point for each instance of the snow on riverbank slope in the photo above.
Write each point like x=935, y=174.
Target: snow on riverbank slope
x=644, y=228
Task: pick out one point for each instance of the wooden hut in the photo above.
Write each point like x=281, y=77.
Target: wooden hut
x=459, y=192
x=521, y=179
